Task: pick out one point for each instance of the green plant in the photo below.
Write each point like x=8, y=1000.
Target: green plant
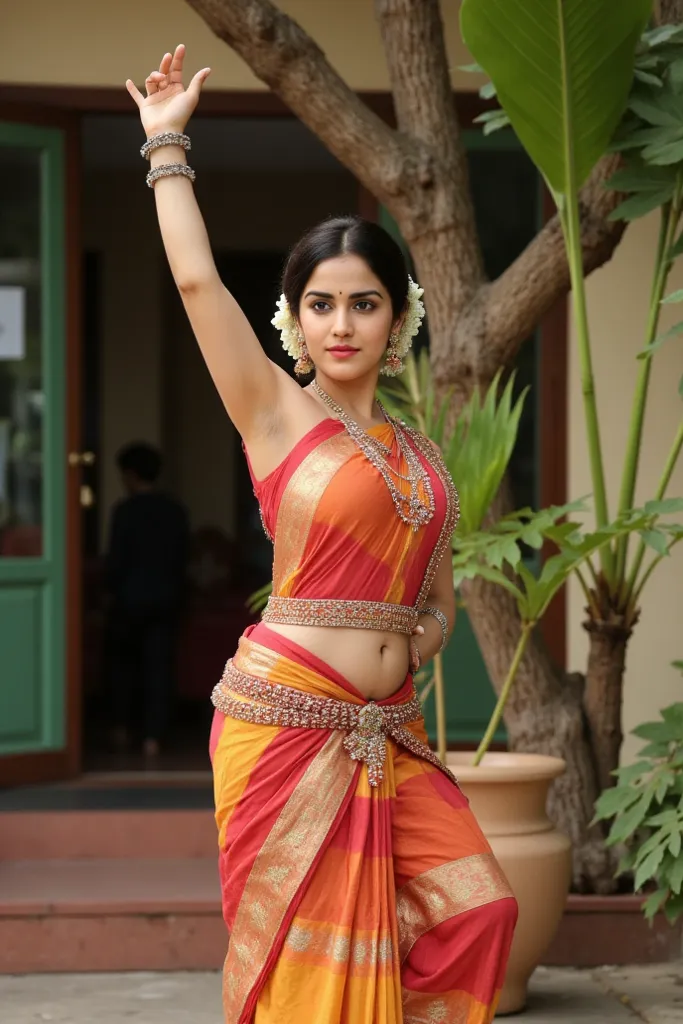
x=257, y=601
x=486, y=552
x=583, y=50
x=646, y=809
x=477, y=450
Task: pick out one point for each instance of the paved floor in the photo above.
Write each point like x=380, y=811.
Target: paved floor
x=608, y=996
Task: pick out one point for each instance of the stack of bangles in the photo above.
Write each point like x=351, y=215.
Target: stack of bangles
x=167, y=170
x=443, y=622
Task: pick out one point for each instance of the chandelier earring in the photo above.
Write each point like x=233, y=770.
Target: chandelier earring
x=401, y=338
x=393, y=364
x=304, y=363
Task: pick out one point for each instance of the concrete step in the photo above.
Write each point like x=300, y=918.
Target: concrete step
x=113, y=914
x=107, y=834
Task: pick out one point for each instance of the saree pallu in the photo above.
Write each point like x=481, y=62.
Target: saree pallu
x=348, y=903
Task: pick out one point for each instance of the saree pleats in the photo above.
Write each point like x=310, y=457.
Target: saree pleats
x=348, y=903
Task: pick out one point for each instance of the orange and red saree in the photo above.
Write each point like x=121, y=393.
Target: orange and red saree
x=348, y=903
x=337, y=535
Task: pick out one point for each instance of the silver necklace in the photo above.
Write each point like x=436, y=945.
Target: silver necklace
x=410, y=507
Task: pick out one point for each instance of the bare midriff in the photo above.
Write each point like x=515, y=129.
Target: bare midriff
x=375, y=662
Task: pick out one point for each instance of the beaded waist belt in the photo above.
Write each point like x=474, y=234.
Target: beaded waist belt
x=367, y=725
x=302, y=611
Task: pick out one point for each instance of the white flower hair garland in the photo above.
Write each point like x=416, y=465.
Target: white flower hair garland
x=286, y=324
x=399, y=343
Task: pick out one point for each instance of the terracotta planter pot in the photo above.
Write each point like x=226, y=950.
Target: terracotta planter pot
x=508, y=794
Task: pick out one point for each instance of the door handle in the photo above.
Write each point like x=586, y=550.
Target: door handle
x=81, y=458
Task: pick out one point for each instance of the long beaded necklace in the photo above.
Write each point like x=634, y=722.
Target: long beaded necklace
x=411, y=508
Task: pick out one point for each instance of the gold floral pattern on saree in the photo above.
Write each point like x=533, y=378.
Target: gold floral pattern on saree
x=445, y=1008
x=308, y=941
x=300, y=501
x=453, y=888
x=280, y=868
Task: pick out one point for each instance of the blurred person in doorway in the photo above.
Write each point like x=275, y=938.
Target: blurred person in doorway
x=146, y=565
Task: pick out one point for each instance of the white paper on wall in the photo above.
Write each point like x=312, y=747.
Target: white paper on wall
x=12, y=322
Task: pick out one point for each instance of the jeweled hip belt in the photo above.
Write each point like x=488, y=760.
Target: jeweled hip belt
x=302, y=611
x=367, y=725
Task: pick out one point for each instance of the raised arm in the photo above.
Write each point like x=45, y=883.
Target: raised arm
x=248, y=382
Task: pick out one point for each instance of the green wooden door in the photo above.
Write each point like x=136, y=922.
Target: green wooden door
x=32, y=451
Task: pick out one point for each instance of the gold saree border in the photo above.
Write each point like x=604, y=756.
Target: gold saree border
x=280, y=868
x=256, y=660
x=452, y=888
x=263, y=663
x=300, y=500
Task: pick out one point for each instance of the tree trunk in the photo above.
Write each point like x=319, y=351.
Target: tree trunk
x=670, y=12
x=603, y=697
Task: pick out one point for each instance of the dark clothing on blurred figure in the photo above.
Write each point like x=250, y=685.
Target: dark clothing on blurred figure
x=147, y=554
x=145, y=569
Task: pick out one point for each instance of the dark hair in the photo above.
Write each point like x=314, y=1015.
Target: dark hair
x=141, y=459
x=341, y=236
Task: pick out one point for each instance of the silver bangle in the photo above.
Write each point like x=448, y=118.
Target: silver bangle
x=165, y=139
x=167, y=170
x=441, y=619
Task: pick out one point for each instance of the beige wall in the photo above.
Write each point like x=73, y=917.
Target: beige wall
x=618, y=296
x=105, y=43
x=154, y=385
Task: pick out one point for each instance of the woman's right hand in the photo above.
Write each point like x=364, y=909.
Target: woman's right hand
x=168, y=106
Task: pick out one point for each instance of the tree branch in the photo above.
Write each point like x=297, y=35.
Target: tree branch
x=516, y=301
x=285, y=57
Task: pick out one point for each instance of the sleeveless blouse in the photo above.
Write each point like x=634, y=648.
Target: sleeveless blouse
x=337, y=534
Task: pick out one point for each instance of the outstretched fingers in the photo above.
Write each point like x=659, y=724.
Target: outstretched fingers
x=176, y=64
x=197, y=82
x=135, y=92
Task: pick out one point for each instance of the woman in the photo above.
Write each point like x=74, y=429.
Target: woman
x=357, y=886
